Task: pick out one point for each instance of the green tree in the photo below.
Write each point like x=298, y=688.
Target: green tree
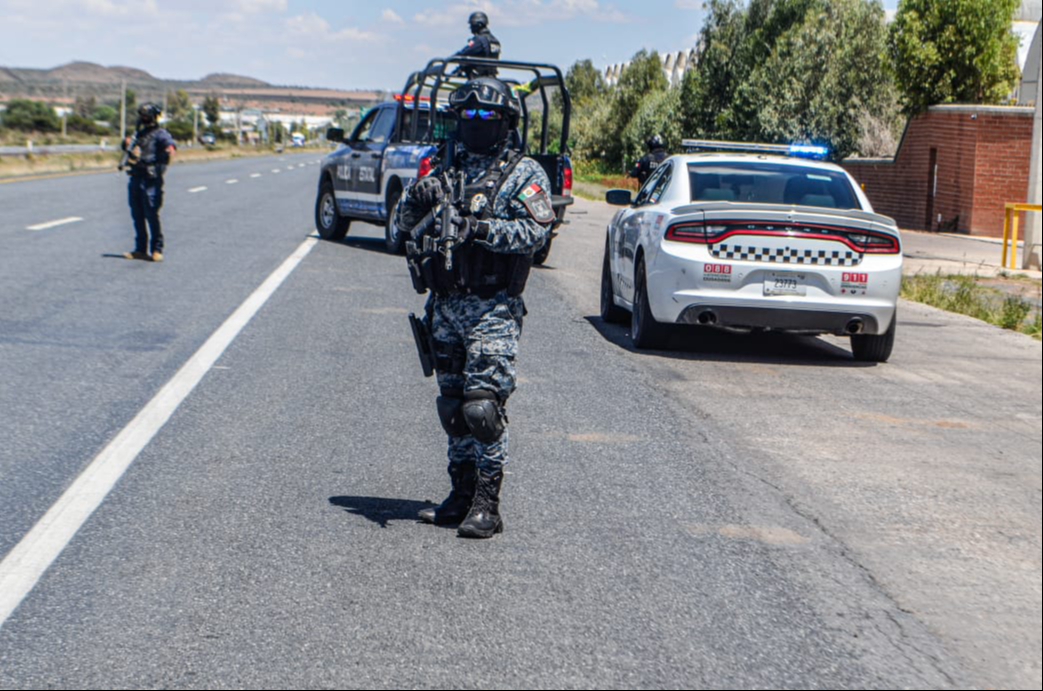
x=821, y=78
x=657, y=114
x=956, y=51
x=132, y=109
x=104, y=113
x=584, y=82
x=31, y=116
x=708, y=90
x=181, y=130
x=84, y=106
x=179, y=104
x=641, y=78
x=212, y=109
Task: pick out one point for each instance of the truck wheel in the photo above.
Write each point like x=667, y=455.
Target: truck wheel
x=331, y=225
x=394, y=241
x=541, y=257
x=645, y=331
x=875, y=348
x=610, y=313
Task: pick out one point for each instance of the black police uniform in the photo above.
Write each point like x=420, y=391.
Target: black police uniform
x=648, y=164
x=145, y=189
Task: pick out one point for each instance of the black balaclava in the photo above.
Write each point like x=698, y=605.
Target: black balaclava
x=483, y=137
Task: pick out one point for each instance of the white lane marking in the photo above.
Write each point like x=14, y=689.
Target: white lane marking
x=55, y=224
x=231, y=182
x=276, y=171
x=24, y=565
x=256, y=175
x=197, y=190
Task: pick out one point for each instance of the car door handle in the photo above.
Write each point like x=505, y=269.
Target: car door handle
x=356, y=155
x=376, y=156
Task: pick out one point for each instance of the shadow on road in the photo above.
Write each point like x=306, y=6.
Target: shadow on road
x=711, y=345
x=380, y=510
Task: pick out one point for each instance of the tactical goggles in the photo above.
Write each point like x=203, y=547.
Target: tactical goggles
x=477, y=95
x=478, y=114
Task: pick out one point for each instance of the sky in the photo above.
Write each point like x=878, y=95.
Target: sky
x=342, y=44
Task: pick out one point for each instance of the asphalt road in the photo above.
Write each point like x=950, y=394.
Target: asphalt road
x=735, y=512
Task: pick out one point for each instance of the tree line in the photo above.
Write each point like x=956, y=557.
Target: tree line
x=830, y=72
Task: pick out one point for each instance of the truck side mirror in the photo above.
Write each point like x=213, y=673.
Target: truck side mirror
x=335, y=134
x=619, y=197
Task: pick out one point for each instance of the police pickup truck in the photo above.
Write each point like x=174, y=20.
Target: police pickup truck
x=398, y=141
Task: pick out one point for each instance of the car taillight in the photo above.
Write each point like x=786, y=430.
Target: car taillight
x=566, y=185
x=695, y=233
x=871, y=243
x=425, y=167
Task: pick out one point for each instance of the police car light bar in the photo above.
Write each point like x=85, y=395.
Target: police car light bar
x=798, y=150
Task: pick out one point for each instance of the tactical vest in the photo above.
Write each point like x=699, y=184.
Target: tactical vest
x=477, y=270
x=148, y=163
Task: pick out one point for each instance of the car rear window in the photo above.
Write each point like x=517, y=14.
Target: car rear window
x=771, y=183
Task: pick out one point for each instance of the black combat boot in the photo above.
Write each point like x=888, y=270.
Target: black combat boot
x=455, y=507
x=484, y=519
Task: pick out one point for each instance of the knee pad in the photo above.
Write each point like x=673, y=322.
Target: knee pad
x=484, y=416
x=450, y=405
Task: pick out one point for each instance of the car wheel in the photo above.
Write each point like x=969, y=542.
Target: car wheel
x=331, y=225
x=540, y=258
x=610, y=313
x=392, y=238
x=875, y=348
x=646, y=332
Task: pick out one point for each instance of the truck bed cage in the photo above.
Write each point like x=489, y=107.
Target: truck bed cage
x=443, y=75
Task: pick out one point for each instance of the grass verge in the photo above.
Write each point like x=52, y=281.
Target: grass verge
x=12, y=167
x=970, y=296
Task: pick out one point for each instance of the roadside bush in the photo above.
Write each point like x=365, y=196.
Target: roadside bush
x=1014, y=313
x=180, y=130
x=85, y=125
x=31, y=116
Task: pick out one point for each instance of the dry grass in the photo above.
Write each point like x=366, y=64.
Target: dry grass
x=28, y=166
x=972, y=296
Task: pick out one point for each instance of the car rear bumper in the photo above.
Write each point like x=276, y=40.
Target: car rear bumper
x=840, y=323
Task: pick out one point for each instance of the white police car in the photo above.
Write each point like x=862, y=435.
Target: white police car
x=751, y=238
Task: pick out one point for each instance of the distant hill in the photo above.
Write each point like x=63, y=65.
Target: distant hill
x=87, y=79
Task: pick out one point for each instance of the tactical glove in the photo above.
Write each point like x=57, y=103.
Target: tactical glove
x=428, y=192
x=467, y=227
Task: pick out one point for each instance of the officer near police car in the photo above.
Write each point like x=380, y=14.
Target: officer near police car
x=148, y=154
x=497, y=214
x=649, y=162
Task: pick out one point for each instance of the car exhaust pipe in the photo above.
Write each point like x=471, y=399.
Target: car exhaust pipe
x=707, y=318
x=855, y=327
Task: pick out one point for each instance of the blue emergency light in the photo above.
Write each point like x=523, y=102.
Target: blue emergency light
x=809, y=151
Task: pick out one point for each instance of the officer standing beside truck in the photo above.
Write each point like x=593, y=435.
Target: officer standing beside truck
x=495, y=213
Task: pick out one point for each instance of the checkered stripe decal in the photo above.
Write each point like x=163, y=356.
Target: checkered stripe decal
x=786, y=256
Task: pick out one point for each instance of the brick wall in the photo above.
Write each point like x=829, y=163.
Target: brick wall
x=982, y=156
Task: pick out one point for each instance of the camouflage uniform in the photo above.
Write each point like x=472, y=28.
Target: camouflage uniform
x=484, y=332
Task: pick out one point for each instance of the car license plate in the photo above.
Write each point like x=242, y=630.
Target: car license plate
x=785, y=283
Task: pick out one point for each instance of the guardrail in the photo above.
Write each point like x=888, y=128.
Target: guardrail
x=1010, y=231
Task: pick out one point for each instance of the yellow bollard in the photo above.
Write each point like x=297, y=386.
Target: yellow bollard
x=1006, y=232
x=1016, y=216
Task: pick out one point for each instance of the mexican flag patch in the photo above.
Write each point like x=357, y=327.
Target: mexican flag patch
x=530, y=192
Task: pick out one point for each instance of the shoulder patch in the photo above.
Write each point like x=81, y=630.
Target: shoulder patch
x=537, y=203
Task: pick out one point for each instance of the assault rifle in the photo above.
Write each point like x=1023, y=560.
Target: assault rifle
x=445, y=237
x=125, y=159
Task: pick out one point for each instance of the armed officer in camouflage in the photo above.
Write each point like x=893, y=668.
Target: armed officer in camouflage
x=475, y=264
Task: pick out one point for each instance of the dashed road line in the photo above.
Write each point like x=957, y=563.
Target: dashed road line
x=24, y=565
x=231, y=182
x=256, y=175
x=197, y=190
x=55, y=224
x=276, y=171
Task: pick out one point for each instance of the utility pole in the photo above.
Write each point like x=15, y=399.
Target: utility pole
x=195, y=124
x=123, y=111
